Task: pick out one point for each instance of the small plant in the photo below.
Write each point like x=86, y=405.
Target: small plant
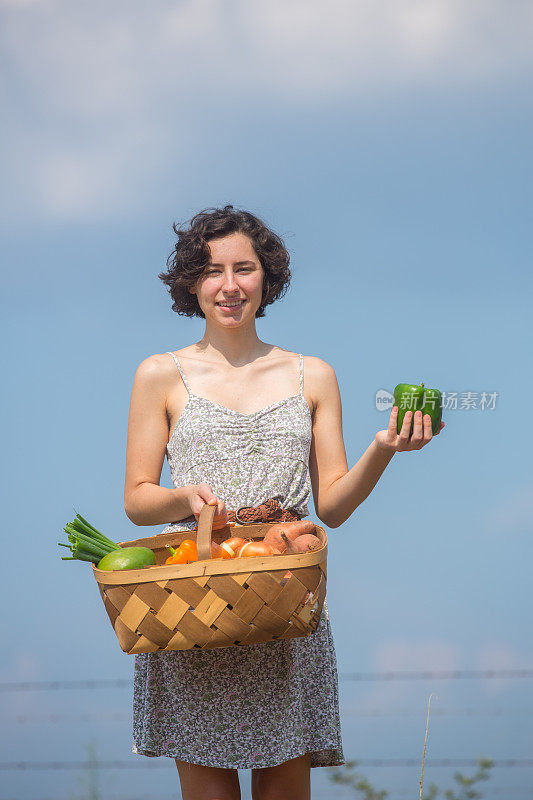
x=89, y=780
x=346, y=776
x=465, y=783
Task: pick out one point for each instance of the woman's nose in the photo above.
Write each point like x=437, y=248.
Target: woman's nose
x=230, y=284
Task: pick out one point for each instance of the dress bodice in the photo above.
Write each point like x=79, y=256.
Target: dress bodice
x=245, y=458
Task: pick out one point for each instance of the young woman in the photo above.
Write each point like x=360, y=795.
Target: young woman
x=239, y=426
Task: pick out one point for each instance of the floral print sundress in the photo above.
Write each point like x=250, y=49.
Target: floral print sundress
x=262, y=704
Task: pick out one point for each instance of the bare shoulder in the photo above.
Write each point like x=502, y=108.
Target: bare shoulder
x=318, y=367
x=320, y=379
x=318, y=371
x=155, y=370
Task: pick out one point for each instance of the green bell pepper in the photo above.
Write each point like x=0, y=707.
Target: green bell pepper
x=413, y=397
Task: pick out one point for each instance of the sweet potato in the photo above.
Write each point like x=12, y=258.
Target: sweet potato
x=291, y=529
x=298, y=528
x=309, y=541
x=291, y=547
x=303, y=544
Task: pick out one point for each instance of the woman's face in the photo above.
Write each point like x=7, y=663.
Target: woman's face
x=234, y=273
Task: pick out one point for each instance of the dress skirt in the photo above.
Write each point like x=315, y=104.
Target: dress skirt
x=241, y=707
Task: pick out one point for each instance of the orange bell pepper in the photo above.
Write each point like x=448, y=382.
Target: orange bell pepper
x=189, y=548
x=188, y=552
x=185, y=553
x=176, y=556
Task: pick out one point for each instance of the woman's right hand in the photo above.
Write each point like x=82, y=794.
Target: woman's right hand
x=199, y=495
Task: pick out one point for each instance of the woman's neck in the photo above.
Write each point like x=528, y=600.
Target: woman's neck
x=231, y=348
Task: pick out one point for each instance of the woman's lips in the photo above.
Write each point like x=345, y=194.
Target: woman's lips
x=231, y=308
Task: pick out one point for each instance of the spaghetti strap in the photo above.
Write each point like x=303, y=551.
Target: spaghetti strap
x=181, y=372
x=301, y=374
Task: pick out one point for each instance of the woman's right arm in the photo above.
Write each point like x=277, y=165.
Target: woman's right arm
x=145, y=501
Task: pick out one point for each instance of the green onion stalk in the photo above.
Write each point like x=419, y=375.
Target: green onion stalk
x=86, y=543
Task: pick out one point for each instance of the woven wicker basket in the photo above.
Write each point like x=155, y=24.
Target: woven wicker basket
x=213, y=602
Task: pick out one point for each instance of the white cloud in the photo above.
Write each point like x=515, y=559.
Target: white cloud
x=360, y=46
x=98, y=97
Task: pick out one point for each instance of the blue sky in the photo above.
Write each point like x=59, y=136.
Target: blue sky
x=389, y=145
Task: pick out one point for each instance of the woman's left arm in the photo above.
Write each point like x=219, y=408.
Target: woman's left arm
x=338, y=491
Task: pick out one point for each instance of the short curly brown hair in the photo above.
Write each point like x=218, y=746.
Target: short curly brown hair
x=191, y=255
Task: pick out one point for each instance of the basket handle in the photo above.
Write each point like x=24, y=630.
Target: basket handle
x=205, y=528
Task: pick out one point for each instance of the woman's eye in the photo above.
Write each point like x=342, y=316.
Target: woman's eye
x=211, y=271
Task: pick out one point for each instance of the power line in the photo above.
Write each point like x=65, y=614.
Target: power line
x=402, y=791
x=121, y=716
x=50, y=686
x=398, y=791
x=91, y=716
x=437, y=712
x=509, y=791
x=437, y=676
x=361, y=762
x=124, y=683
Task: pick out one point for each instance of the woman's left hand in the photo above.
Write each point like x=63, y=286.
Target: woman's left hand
x=391, y=442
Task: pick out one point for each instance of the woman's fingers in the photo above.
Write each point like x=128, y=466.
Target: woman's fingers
x=442, y=424
x=220, y=511
x=421, y=435
x=404, y=431
x=416, y=436
x=220, y=523
x=393, y=421
x=203, y=495
x=428, y=435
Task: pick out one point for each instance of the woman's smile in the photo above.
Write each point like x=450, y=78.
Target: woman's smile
x=228, y=307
